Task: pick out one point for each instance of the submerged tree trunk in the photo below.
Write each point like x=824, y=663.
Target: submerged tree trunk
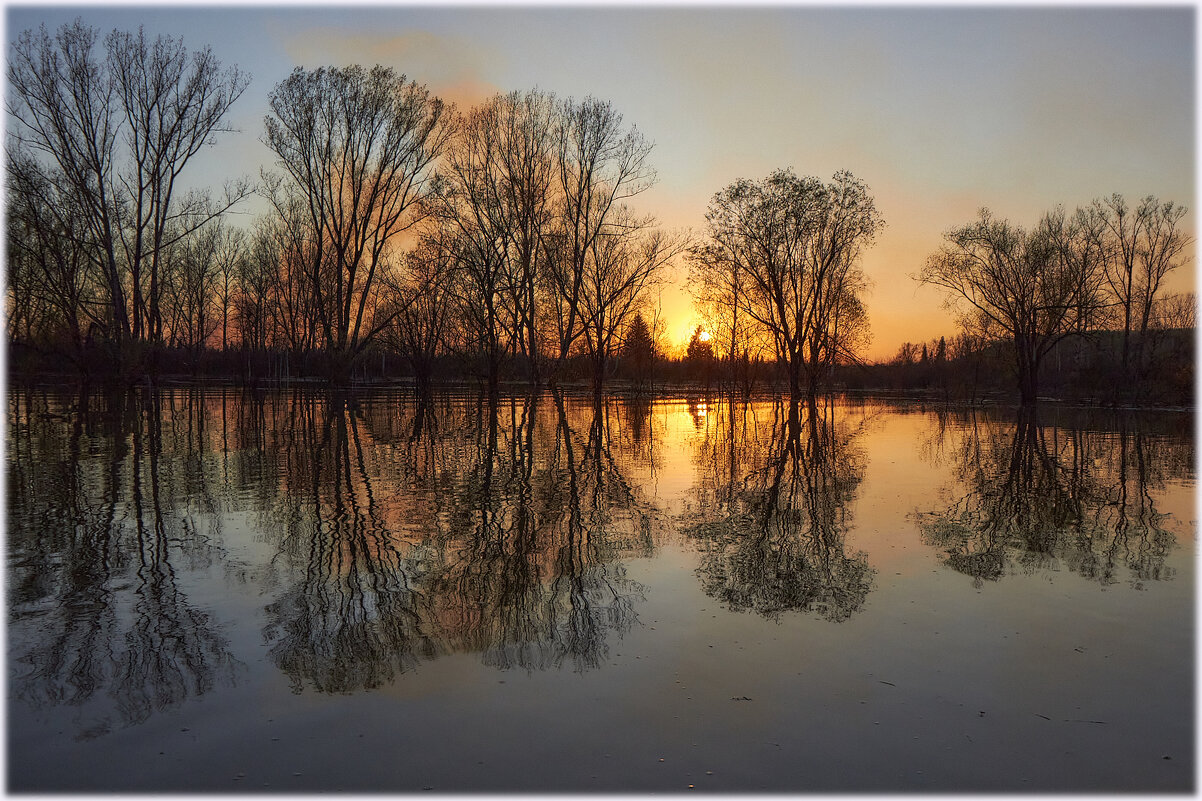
x=599, y=371
x=795, y=393
x=1028, y=381
x=340, y=365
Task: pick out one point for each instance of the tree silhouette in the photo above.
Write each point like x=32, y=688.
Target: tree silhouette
x=357, y=146
x=1034, y=287
x=116, y=135
x=638, y=350
x=784, y=252
x=1139, y=247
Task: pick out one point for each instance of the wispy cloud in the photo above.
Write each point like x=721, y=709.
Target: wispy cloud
x=453, y=68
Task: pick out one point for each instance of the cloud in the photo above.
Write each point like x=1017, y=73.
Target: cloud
x=452, y=68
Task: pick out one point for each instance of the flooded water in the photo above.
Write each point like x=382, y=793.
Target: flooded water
x=220, y=591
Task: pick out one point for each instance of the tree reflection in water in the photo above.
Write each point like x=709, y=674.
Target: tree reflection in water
x=1032, y=497
x=352, y=618
x=490, y=526
x=773, y=511
x=96, y=540
x=401, y=530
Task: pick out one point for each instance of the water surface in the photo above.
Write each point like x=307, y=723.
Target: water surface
x=221, y=590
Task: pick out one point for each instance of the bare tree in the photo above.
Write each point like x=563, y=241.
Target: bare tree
x=192, y=289
x=1139, y=247
x=174, y=102
x=624, y=267
x=255, y=281
x=358, y=145
x=49, y=288
x=63, y=101
x=477, y=230
x=1029, y=286
x=230, y=258
x=784, y=253
x=1162, y=252
x=424, y=296
x=715, y=283
x=1176, y=311
x=600, y=164
x=72, y=108
x=286, y=250
x=524, y=129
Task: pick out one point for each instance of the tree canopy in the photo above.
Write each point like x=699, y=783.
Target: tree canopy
x=783, y=255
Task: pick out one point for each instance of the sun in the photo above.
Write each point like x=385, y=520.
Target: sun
x=694, y=331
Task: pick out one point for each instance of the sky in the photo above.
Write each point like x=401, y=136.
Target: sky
x=941, y=110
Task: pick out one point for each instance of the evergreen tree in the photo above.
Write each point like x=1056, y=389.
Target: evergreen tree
x=639, y=349
x=700, y=349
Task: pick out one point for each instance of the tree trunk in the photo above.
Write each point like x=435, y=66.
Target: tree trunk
x=1027, y=382
x=340, y=364
x=812, y=386
x=795, y=393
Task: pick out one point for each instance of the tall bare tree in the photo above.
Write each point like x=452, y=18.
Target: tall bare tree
x=601, y=164
x=715, y=283
x=424, y=295
x=525, y=129
x=285, y=251
x=784, y=253
x=1140, y=246
x=254, y=284
x=174, y=102
x=358, y=146
x=624, y=267
x=50, y=292
x=62, y=99
x=476, y=230
x=193, y=277
x=230, y=257
x=1163, y=251
x=120, y=131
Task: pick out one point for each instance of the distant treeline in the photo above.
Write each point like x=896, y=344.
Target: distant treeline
x=1085, y=368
